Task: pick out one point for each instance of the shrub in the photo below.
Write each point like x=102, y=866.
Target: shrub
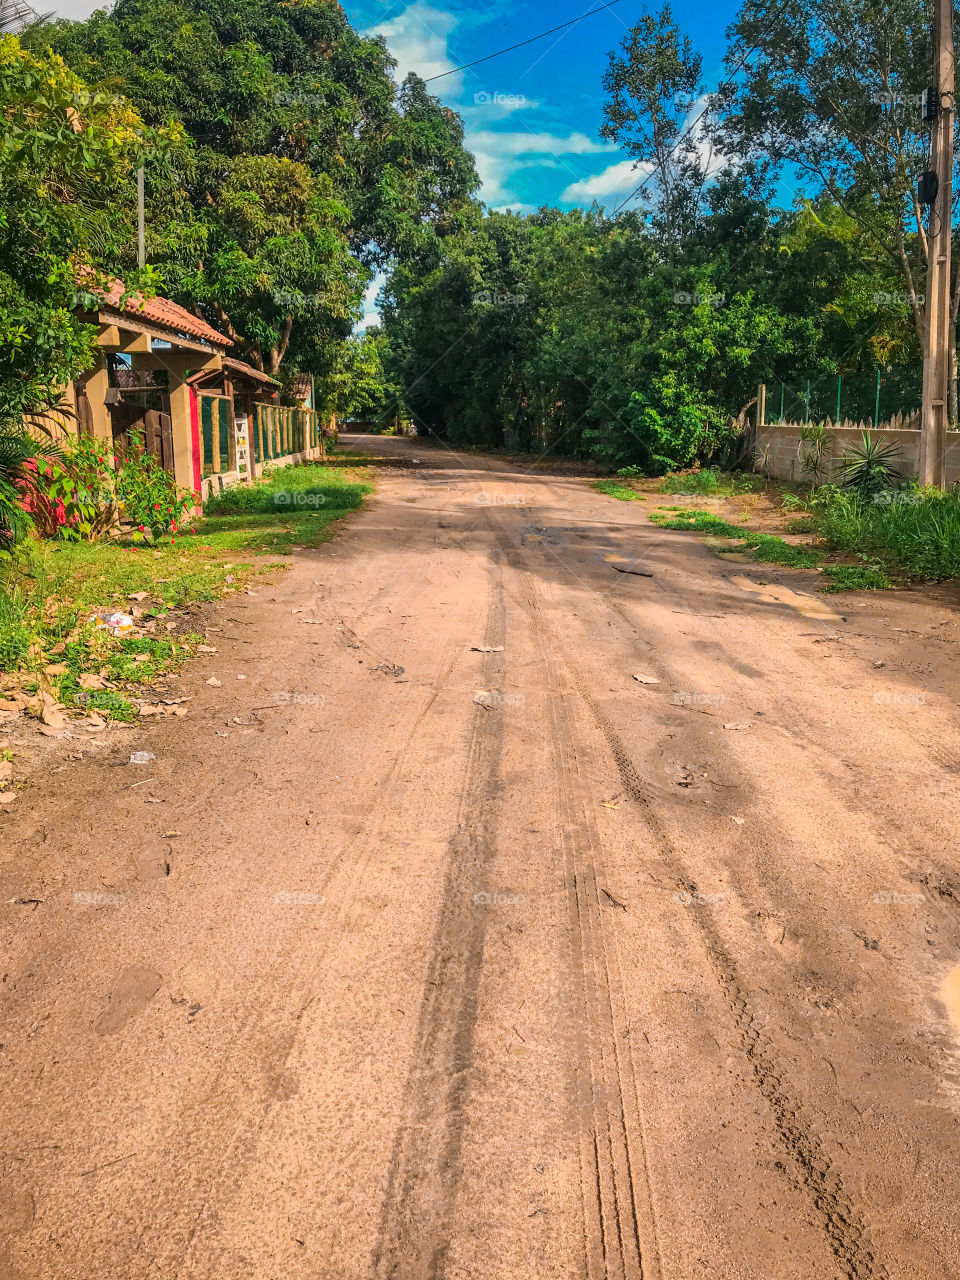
x=17, y=451
x=869, y=466
x=147, y=496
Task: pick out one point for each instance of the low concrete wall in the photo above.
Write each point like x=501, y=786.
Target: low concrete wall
x=778, y=444
x=221, y=480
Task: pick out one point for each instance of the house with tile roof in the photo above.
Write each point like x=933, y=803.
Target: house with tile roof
x=162, y=372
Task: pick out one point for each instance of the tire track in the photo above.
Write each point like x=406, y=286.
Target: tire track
x=423, y=1178
x=813, y=1172
x=620, y=1239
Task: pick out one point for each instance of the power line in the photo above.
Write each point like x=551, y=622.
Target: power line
x=541, y=36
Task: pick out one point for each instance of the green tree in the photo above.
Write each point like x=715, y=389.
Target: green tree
x=306, y=165
x=833, y=93
x=653, y=85
x=67, y=159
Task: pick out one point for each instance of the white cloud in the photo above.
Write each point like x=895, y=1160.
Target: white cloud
x=617, y=179
x=417, y=38
x=516, y=206
x=527, y=143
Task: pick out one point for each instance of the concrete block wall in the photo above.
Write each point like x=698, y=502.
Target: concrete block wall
x=778, y=443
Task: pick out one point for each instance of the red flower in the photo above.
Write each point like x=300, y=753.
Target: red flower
x=142, y=528
x=156, y=506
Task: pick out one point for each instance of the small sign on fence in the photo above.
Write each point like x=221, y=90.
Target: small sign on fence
x=242, y=437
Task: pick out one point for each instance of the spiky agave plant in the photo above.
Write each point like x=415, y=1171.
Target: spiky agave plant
x=870, y=467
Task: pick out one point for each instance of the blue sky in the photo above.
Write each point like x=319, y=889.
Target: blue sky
x=532, y=116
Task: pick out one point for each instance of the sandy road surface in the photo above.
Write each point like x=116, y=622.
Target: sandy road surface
x=592, y=978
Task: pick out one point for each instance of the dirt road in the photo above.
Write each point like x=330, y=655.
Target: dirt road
x=436, y=944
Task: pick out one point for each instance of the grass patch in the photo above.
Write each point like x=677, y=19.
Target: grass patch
x=712, y=483
x=696, y=522
x=856, y=577
x=765, y=547
x=614, y=489
x=803, y=524
x=915, y=531
x=48, y=589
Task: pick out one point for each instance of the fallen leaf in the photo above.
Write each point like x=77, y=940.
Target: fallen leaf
x=56, y=669
x=738, y=821
x=205, y=648
x=647, y=679
x=734, y=725
x=605, y=804
x=52, y=716
x=90, y=681
x=215, y=682
x=486, y=648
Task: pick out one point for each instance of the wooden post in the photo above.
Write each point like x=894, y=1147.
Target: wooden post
x=936, y=357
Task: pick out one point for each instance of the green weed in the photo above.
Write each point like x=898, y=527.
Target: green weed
x=856, y=577
x=621, y=491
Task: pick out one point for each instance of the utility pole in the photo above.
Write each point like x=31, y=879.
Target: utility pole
x=141, y=222
x=936, y=359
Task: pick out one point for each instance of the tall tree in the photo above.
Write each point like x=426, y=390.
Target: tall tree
x=833, y=93
x=305, y=167
x=653, y=86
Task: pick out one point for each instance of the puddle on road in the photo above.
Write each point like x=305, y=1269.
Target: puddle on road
x=809, y=606
x=950, y=995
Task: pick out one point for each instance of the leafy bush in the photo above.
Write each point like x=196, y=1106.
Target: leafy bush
x=17, y=451
x=148, y=496
x=70, y=490
x=633, y=472
x=78, y=491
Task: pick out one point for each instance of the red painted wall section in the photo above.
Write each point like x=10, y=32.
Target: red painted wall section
x=195, y=437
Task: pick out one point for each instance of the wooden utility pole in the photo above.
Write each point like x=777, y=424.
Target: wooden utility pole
x=141, y=222
x=936, y=360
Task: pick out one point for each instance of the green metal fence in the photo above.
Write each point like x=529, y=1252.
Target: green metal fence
x=871, y=398
x=216, y=433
